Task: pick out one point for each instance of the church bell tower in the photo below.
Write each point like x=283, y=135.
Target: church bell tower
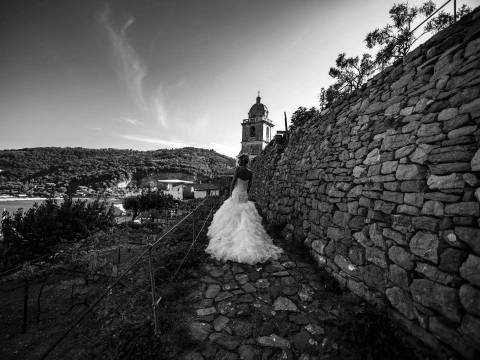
x=256, y=130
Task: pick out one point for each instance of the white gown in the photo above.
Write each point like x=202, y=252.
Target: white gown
x=236, y=232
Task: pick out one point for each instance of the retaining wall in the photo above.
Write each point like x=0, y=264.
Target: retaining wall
x=384, y=188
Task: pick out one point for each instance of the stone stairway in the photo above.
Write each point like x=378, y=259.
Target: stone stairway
x=274, y=310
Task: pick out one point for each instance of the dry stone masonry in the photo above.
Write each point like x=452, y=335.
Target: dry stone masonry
x=385, y=189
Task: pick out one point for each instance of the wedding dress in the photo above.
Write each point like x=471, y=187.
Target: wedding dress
x=236, y=232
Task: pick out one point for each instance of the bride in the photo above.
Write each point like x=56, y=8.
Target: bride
x=236, y=232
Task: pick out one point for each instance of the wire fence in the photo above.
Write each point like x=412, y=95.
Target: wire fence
x=435, y=12
x=199, y=217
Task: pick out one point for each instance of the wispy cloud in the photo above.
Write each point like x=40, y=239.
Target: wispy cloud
x=132, y=121
x=132, y=70
x=155, y=141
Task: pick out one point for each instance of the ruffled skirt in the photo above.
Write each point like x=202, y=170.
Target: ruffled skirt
x=236, y=233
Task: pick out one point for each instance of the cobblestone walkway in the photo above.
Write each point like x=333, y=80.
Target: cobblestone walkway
x=274, y=310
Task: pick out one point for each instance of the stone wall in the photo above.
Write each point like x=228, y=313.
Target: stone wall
x=384, y=189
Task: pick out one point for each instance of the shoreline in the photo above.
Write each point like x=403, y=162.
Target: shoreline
x=8, y=199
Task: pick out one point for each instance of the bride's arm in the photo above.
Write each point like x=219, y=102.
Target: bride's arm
x=249, y=183
x=232, y=185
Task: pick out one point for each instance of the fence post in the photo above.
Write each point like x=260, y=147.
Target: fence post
x=118, y=255
x=193, y=225
x=455, y=10
x=25, y=306
x=152, y=284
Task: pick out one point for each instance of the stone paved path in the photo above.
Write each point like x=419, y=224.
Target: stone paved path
x=273, y=310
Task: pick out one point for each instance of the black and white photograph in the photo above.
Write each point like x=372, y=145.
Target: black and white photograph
x=239, y=179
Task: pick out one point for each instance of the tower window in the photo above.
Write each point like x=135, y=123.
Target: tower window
x=268, y=134
x=252, y=131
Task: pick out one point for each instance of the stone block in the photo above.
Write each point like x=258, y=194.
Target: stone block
x=362, y=239
x=472, y=107
x=426, y=223
x=463, y=209
x=359, y=171
x=411, y=127
x=335, y=234
x=344, y=264
x=456, y=122
x=408, y=210
x=396, y=236
x=470, y=269
x=452, y=181
x=376, y=256
x=413, y=186
x=372, y=158
x=448, y=156
x=414, y=199
x=425, y=245
x=403, y=81
x=401, y=257
x=404, y=151
x=341, y=218
x=447, y=114
x=470, y=236
x=389, y=167
x=470, y=299
x=475, y=162
x=437, y=297
x=470, y=179
x=356, y=222
x=409, y=172
x=375, y=233
x=462, y=131
x=319, y=246
x=448, y=168
x=401, y=301
x=420, y=155
x=357, y=255
x=375, y=277
x=451, y=259
x=396, y=197
x=398, y=276
x=429, y=130
x=448, y=198
x=402, y=223
x=433, y=273
x=433, y=207
x=392, y=142
x=471, y=328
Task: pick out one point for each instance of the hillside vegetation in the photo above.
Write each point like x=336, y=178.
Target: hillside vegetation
x=52, y=169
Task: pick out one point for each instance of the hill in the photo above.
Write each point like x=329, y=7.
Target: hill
x=37, y=171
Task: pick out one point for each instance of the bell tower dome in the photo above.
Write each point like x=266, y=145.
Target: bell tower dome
x=256, y=130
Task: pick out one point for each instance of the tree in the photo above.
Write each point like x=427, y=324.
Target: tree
x=350, y=74
x=395, y=40
x=444, y=20
x=302, y=115
x=132, y=203
x=327, y=96
x=38, y=230
x=148, y=200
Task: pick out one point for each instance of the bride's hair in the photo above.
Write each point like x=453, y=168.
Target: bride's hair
x=243, y=160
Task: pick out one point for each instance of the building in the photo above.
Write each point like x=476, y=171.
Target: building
x=178, y=189
x=256, y=130
x=203, y=190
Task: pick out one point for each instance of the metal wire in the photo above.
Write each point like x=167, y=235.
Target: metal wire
x=440, y=8
x=111, y=286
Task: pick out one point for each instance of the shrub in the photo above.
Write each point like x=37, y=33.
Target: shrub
x=37, y=231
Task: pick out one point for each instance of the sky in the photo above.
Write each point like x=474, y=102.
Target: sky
x=149, y=74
